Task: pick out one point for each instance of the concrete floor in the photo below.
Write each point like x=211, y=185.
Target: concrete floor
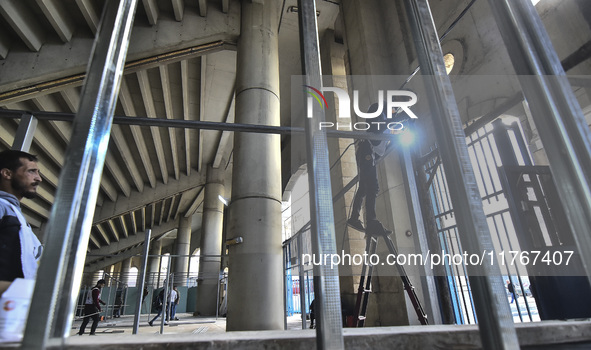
x=209, y=333
x=187, y=324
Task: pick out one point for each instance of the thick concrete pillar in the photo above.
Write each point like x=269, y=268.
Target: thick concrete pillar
x=182, y=248
x=255, y=276
x=211, y=244
x=154, y=263
x=124, y=274
x=376, y=49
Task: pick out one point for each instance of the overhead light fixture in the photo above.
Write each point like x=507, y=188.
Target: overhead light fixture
x=535, y=2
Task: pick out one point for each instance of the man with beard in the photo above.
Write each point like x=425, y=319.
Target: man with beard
x=20, y=250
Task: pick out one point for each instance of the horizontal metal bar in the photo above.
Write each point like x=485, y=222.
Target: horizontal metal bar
x=202, y=125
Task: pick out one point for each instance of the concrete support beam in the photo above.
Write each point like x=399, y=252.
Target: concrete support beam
x=178, y=7
x=211, y=244
x=4, y=46
x=255, y=280
x=151, y=113
x=375, y=48
x=225, y=140
x=113, y=230
x=59, y=18
x=89, y=13
x=17, y=15
x=154, y=263
x=202, y=94
x=332, y=57
x=186, y=111
x=165, y=83
x=202, y=8
x=125, y=269
x=182, y=248
x=127, y=104
x=151, y=11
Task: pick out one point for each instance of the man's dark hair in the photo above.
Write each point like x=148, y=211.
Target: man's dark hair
x=101, y=281
x=11, y=159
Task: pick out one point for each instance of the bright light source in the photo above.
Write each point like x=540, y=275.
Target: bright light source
x=407, y=138
x=535, y=2
x=223, y=200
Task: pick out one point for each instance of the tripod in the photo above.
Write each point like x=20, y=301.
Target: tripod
x=366, y=273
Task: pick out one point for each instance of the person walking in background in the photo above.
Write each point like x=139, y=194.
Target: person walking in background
x=175, y=297
x=20, y=250
x=117, y=307
x=92, y=308
x=158, y=305
x=511, y=290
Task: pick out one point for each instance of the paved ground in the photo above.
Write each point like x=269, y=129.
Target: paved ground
x=186, y=324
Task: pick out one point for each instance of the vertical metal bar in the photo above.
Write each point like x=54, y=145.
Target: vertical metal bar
x=326, y=282
x=494, y=317
x=556, y=112
x=286, y=259
x=68, y=230
x=164, y=313
x=302, y=285
x=25, y=133
x=141, y=282
x=418, y=226
x=433, y=243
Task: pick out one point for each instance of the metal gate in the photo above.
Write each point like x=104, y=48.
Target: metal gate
x=486, y=160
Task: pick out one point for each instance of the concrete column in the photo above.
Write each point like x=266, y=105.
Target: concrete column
x=182, y=246
x=211, y=244
x=89, y=278
x=153, y=263
x=342, y=155
x=124, y=274
x=255, y=276
x=376, y=49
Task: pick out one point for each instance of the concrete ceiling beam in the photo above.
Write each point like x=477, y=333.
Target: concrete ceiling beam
x=151, y=11
x=129, y=109
x=19, y=17
x=58, y=17
x=90, y=14
x=186, y=111
x=146, y=91
x=225, y=139
x=178, y=7
x=166, y=92
x=202, y=8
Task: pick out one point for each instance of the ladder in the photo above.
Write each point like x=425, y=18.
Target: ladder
x=365, y=282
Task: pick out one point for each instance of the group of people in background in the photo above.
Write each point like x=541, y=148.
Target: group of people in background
x=172, y=301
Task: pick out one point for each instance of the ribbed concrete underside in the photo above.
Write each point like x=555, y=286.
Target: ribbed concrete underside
x=542, y=335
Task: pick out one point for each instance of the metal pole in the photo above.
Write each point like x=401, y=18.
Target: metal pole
x=556, y=112
x=25, y=133
x=68, y=230
x=494, y=317
x=420, y=236
x=302, y=282
x=141, y=283
x=329, y=332
x=164, y=313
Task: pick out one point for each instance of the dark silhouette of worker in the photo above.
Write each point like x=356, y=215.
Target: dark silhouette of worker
x=367, y=155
